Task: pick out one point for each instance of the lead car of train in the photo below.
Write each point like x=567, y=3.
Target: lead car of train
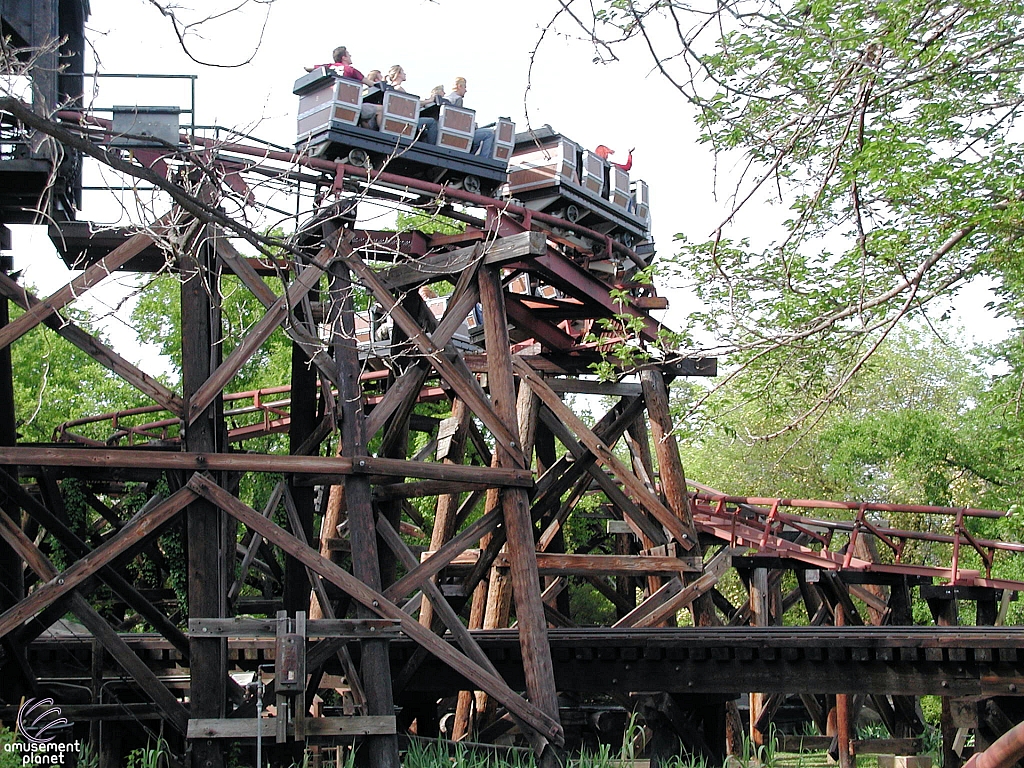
x=539, y=169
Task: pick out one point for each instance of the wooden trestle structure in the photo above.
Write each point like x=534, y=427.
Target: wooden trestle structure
x=310, y=582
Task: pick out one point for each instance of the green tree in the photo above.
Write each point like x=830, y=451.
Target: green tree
x=879, y=141
x=55, y=382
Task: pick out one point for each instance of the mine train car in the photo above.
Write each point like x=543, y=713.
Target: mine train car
x=328, y=126
x=540, y=169
x=553, y=174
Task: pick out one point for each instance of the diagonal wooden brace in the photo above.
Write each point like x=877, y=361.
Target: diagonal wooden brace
x=376, y=602
x=73, y=290
x=632, y=484
x=133, y=533
x=96, y=349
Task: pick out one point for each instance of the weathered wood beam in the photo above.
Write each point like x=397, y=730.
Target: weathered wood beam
x=406, y=388
x=239, y=728
x=135, y=532
x=713, y=571
x=445, y=613
x=519, y=531
x=426, y=488
x=366, y=567
x=96, y=349
x=377, y=603
x=549, y=564
x=76, y=288
x=317, y=466
x=417, y=576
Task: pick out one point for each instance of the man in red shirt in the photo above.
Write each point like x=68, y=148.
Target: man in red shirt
x=604, y=152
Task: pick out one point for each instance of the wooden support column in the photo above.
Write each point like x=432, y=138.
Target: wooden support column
x=303, y=424
x=946, y=614
x=12, y=686
x=207, y=556
x=382, y=751
x=673, y=485
x=844, y=723
x=451, y=447
x=537, y=665
x=760, y=616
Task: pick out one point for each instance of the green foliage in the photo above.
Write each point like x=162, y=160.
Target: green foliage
x=148, y=757
x=55, y=381
x=431, y=223
x=8, y=759
x=157, y=319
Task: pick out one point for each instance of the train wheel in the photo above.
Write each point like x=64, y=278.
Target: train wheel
x=358, y=157
x=471, y=184
x=573, y=213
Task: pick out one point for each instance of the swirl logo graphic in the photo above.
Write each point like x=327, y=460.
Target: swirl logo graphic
x=37, y=718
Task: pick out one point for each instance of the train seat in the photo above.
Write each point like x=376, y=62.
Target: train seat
x=401, y=114
x=455, y=128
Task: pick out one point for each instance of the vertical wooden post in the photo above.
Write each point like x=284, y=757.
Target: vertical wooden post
x=844, y=725
x=947, y=615
x=12, y=686
x=376, y=671
x=537, y=666
x=207, y=588
x=451, y=447
x=302, y=416
x=760, y=616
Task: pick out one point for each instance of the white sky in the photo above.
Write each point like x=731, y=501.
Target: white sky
x=621, y=104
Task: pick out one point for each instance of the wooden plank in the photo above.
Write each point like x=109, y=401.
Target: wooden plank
x=519, y=532
x=425, y=488
x=240, y=627
x=319, y=466
x=97, y=350
x=563, y=385
x=245, y=728
x=94, y=275
x=550, y=564
x=134, y=532
x=376, y=602
x=635, y=488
